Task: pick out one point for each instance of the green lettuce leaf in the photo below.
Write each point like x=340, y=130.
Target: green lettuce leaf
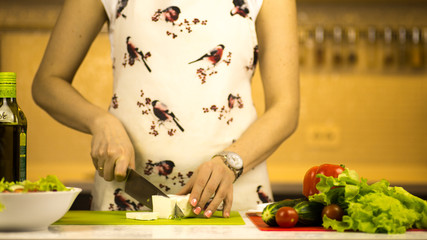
x=49, y=183
x=374, y=208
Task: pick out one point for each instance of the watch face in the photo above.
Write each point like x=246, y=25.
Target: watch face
x=234, y=160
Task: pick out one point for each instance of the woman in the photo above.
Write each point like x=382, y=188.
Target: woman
x=182, y=74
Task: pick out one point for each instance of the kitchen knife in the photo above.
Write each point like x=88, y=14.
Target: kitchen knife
x=142, y=190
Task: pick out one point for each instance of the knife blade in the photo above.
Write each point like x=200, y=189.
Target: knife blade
x=141, y=189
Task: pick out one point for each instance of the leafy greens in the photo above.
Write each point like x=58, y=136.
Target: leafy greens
x=49, y=183
x=375, y=208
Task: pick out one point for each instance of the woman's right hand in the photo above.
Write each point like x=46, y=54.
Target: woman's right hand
x=112, y=151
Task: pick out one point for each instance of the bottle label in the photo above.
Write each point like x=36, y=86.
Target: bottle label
x=22, y=156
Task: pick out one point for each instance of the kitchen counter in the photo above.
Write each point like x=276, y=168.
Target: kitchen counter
x=247, y=231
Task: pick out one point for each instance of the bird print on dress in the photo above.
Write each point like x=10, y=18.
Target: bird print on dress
x=162, y=113
x=211, y=59
x=135, y=54
x=165, y=169
x=252, y=65
x=263, y=197
x=122, y=203
x=212, y=56
x=162, y=168
x=171, y=15
x=162, y=117
x=114, y=102
x=233, y=101
x=240, y=8
x=120, y=7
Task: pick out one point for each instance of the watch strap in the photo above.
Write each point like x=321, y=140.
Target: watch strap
x=224, y=156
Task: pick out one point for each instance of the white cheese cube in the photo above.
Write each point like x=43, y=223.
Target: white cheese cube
x=183, y=204
x=145, y=216
x=130, y=215
x=166, y=205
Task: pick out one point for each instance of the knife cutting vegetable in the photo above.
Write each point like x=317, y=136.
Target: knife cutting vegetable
x=143, y=190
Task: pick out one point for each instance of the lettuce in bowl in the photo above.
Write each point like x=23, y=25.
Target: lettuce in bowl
x=49, y=183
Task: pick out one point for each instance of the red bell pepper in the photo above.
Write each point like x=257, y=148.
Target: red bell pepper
x=310, y=179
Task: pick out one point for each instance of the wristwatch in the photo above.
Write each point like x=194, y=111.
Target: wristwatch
x=233, y=161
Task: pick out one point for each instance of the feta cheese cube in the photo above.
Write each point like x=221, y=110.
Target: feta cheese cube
x=166, y=205
x=145, y=216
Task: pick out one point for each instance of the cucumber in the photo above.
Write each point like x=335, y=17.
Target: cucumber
x=269, y=212
x=309, y=213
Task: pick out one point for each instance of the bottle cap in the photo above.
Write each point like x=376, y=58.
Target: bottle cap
x=7, y=85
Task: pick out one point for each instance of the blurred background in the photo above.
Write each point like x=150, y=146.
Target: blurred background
x=363, y=93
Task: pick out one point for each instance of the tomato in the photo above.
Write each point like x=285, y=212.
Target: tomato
x=333, y=211
x=286, y=217
x=310, y=179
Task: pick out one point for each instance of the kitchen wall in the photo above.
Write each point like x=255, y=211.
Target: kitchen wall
x=357, y=108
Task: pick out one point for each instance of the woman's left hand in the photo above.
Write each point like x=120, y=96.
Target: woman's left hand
x=211, y=179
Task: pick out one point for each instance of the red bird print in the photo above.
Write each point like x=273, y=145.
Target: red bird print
x=120, y=7
x=232, y=100
x=171, y=14
x=134, y=52
x=123, y=203
x=214, y=56
x=262, y=195
x=240, y=8
x=161, y=111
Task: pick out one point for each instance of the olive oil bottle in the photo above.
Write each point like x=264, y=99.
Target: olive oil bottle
x=13, y=132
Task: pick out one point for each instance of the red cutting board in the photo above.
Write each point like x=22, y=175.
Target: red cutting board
x=261, y=225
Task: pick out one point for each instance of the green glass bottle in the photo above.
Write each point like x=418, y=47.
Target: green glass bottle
x=13, y=132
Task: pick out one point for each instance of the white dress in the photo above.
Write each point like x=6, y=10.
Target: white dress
x=182, y=88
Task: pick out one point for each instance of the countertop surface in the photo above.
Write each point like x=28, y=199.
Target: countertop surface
x=247, y=231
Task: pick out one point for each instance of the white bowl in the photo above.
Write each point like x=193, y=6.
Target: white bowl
x=32, y=211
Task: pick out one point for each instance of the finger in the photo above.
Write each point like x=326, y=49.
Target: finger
x=211, y=187
x=109, y=166
x=187, y=187
x=120, y=169
x=228, y=202
x=98, y=159
x=198, y=186
x=225, y=190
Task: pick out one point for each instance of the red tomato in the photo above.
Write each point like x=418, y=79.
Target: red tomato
x=310, y=179
x=333, y=211
x=286, y=217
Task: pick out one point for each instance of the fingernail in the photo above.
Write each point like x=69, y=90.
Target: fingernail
x=193, y=202
x=226, y=214
x=208, y=213
x=197, y=210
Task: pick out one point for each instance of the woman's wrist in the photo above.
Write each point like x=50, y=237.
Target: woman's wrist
x=233, y=161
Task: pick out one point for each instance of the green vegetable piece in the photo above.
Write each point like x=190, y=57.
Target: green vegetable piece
x=375, y=208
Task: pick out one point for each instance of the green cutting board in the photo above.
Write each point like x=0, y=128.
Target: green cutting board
x=75, y=217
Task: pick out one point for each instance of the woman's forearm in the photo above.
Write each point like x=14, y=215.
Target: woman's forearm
x=65, y=104
x=278, y=48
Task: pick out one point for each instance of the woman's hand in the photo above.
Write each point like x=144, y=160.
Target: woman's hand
x=211, y=179
x=112, y=151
